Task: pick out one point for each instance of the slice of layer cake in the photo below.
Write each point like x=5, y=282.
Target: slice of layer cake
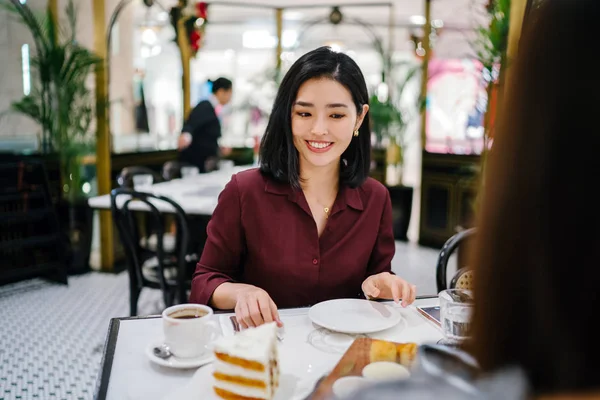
x=246, y=364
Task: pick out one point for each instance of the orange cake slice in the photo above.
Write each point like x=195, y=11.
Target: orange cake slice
x=246, y=364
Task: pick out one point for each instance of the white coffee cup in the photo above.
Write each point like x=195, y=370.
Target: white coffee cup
x=189, y=329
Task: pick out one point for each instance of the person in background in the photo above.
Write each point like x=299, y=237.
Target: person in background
x=309, y=225
x=198, y=143
x=535, y=256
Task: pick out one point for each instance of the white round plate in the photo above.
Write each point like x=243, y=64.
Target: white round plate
x=201, y=387
x=179, y=363
x=354, y=316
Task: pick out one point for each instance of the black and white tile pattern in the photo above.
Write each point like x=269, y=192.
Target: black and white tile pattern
x=52, y=336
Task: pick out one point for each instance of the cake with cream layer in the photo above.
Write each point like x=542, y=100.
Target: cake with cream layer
x=246, y=365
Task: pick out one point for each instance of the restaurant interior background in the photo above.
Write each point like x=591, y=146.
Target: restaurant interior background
x=431, y=168
x=428, y=150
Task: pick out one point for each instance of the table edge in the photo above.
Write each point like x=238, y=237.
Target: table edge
x=110, y=346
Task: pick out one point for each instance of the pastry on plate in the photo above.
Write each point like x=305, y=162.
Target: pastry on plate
x=246, y=364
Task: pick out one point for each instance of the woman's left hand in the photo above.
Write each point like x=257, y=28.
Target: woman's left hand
x=391, y=287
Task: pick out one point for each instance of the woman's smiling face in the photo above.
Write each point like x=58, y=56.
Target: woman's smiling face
x=324, y=119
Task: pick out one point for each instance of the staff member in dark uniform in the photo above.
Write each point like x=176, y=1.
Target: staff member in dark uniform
x=198, y=143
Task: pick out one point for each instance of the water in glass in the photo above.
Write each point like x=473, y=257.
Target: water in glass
x=456, y=307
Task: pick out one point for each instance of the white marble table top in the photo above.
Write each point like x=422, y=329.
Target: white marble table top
x=133, y=376
x=197, y=195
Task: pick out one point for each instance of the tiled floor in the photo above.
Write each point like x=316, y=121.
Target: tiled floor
x=52, y=336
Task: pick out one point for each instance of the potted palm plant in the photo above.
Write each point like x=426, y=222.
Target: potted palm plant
x=62, y=104
x=389, y=122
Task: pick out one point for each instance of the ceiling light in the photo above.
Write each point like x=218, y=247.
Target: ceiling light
x=335, y=17
x=418, y=20
x=149, y=36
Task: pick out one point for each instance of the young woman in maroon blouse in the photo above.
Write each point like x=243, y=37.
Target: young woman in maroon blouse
x=309, y=225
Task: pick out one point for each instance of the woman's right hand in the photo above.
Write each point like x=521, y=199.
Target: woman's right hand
x=255, y=307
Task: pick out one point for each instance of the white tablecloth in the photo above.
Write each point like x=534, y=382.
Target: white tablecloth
x=134, y=376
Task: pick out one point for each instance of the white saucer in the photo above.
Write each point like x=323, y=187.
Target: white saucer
x=354, y=316
x=179, y=363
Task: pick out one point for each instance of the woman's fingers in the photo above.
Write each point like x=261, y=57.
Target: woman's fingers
x=241, y=314
x=254, y=311
x=413, y=294
x=264, y=305
x=396, y=288
x=275, y=313
x=405, y=293
x=255, y=307
x=369, y=288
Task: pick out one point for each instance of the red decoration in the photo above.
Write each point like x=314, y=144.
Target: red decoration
x=201, y=9
x=195, y=40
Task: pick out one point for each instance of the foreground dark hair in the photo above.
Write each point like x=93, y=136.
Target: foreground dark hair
x=221, y=83
x=536, y=264
x=278, y=156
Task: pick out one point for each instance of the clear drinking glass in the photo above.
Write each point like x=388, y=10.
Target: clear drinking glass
x=456, y=309
x=187, y=172
x=142, y=182
x=225, y=165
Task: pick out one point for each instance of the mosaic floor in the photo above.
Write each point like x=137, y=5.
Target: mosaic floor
x=52, y=347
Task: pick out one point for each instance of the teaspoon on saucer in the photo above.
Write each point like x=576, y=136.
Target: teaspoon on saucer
x=162, y=351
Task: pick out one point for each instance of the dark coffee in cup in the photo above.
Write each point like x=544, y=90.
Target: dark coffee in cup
x=189, y=329
x=188, y=314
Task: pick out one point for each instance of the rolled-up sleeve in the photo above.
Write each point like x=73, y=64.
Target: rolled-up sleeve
x=224, y=248
x=385, y=245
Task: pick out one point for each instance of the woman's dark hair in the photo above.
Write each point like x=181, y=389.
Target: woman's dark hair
x=278, y=156
x=535, y=258
x=221, y=83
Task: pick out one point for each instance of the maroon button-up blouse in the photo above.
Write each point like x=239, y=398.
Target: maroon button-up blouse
x=262, y=233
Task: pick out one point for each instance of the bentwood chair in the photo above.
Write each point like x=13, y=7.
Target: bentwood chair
x=463, y=277
x=157, y=268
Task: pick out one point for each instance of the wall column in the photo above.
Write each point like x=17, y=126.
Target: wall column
x=184, y=49
x=279, y=28
x=425, y=71
x=103, y=135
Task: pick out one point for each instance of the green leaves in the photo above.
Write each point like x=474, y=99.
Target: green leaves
x=389, y=118
x=491, y=41
x=59, y=100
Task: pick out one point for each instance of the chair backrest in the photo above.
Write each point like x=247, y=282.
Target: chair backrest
x=463, y=279
x=449, y=247
x=156, y=207
x=125, y=178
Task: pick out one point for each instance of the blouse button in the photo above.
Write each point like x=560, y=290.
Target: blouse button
x=315, y=261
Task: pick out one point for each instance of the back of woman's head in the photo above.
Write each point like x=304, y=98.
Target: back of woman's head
x=278, y=156
x=221, y=83
x=537, y=272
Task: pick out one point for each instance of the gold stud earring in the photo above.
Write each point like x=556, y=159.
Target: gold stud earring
x=356, y=132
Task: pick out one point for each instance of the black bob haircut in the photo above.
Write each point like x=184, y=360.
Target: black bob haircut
x=221, y=83
x=278, y=156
